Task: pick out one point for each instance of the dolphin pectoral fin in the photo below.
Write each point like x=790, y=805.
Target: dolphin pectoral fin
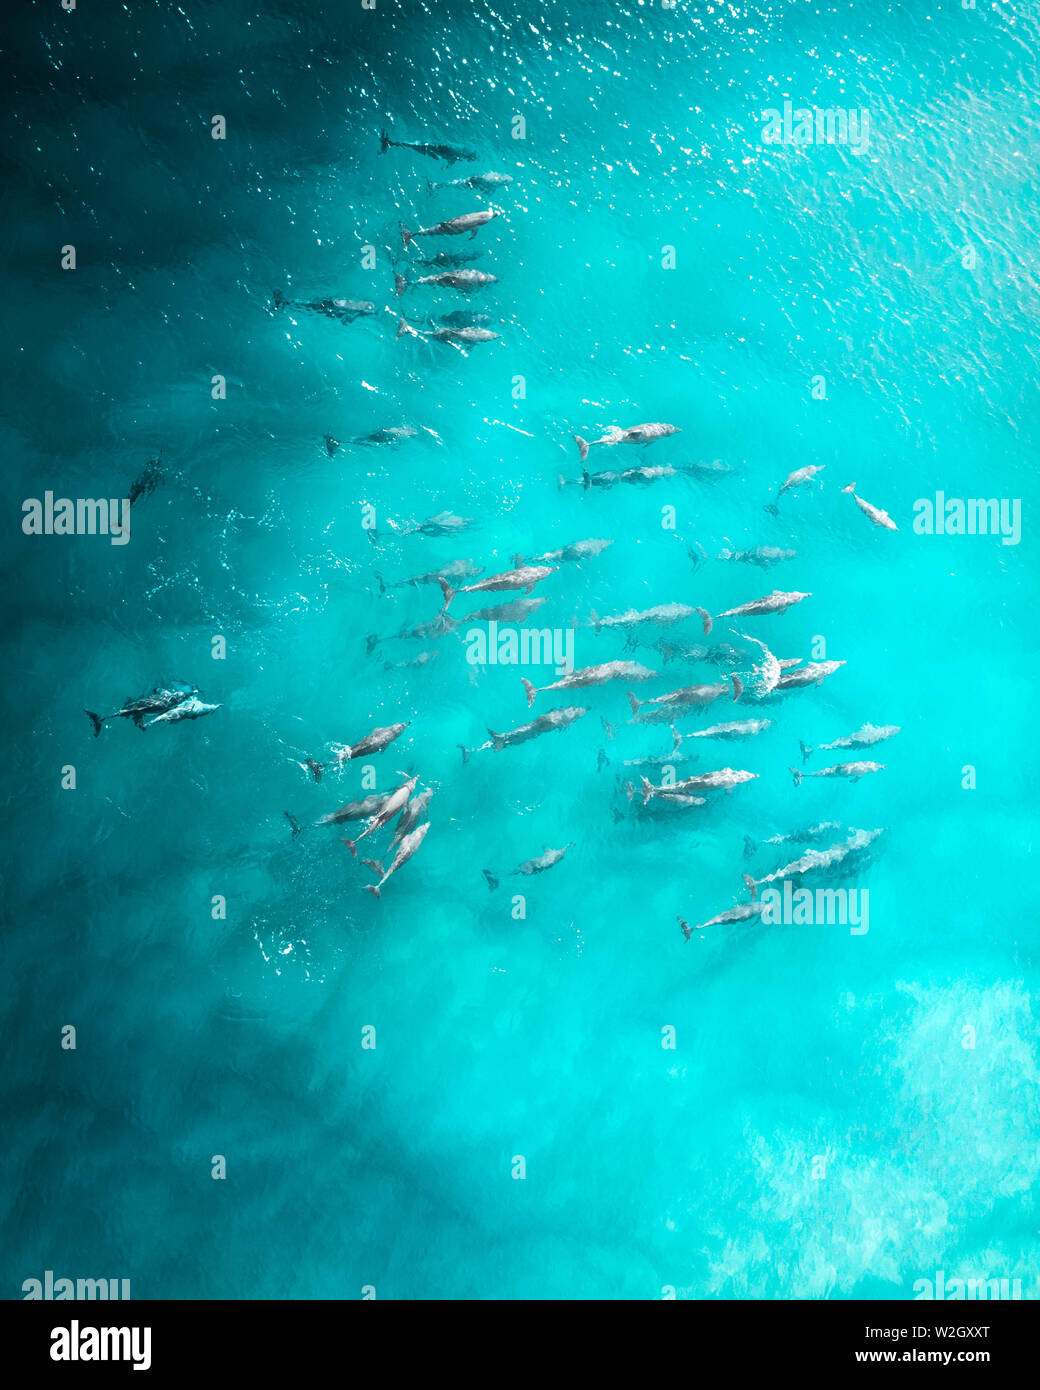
x=95, y=719
x=706, y=619
x=492, y=881
x=751, y=886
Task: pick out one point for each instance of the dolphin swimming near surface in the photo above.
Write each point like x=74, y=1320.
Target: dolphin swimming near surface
x=454, y=226
x=532, y=866
x=592, y=675
x=876, y=514
x=776, y=602
x=664, y=708
x=449, y=153
x=191, y=708
x=723, y=779
x=468, y=334
x=545, y=724
x=795, y=480
x=816, y=860
x=158, y=701
x=524, y=577
x=465, y=280
x=814, y=673
x=405, y=850
x=864, y=737
x=741, y=913
x=853, y=771
x=480, y=183
x=635, y=434
x=363, y=809
x=457, y=569
x=394, y=803
x=762, y=555
x=342, y=753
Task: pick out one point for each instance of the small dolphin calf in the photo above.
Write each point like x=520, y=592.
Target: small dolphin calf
x=449, y=153
x=592, y=675
x=853, y=771
x=664, y=708
x=544, y=724
x=794, y=837
x=524, y=577
x=743, y=728
x=776, y=602
x=609, y=479
x=532, y=866
x=724, y=779
x=480, y=183
x=191, y=708
x=443, y=524
x=635, y=434
x=455, y=226
x=865, y=737
x=877, y=516
x=464, y=280
x=158, y=701
x=405, y=850
x=395, y=802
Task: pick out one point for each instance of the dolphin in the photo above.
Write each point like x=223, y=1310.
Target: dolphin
x=743, y=728
x=741, y=913
x=853, y=771
x=532, y=866
x=545, y=724
x=724, y=779
x=158, y=701
x=592, y=675
x=440, y=626
x=411, y=816
x=392, y=434
x=455, y=226
x=795, y=480
x=814, y=673
x=669, y=796
x=580, y=550
x=794, y=837
x=423, y=659
x=776, y=602
x=395, y=802
x=762, y=555
x=191, y=708
x=877, y=516
x=864, y=737
x=457, y=569
x=354, y=810
x=514, y=612
x=663, y=615
x=464, y=280
x=374, y=742
x=405, y=850
x=677, y=702
x=443, y=524
x=345, y=310
x=449, y=153
x=816, y=860
x=525, y=577
x=468, y=334
x=480, y=183
x=635, y=434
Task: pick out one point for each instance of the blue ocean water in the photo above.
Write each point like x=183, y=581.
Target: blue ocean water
x=841, y=1115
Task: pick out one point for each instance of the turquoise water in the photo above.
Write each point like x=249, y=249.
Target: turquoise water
x=696, y=1168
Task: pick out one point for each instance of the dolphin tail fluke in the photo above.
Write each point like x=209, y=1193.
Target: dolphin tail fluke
x=350, y=844
x=676, y=738
x=602, y=760
x=373, y=888
x=384, y=142
x=400, y=285
x=796, y=774
x=448, y=592
x=749, y=847
x=851, y=488
x=648, y=789
x=375, y=866
x=806, y=751
x=314, y=768
x=586, y=479
x=279, y=300
x=738, y=687
x=636, y=704
x=561, y=481
x=465, y=752
x=498, y=740
x=402, y=326
x=583, y=447
x=596, y=624
x=95, y=719
x=531, y=692
x=611, y=729
x=371, y=642
x=630, y=791
x=685, y=928
x=379, y=581
x=297, y=828
x=771, y=508
x=406, y=235
x=431, y=187
x=706, y=620
x=492, y=881
x=750, y=885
